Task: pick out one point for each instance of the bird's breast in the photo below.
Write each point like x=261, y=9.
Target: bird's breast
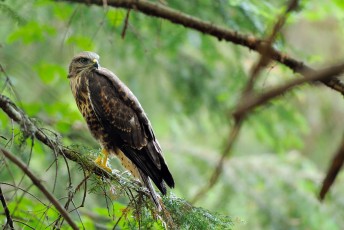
x=79, y=87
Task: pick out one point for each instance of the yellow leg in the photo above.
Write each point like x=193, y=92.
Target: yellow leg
x=102, y=162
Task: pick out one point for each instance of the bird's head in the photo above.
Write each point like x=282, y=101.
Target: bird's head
x=82, y=62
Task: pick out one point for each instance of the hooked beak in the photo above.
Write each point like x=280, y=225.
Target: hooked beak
x=95, y=63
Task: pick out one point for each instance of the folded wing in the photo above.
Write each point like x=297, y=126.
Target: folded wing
x=125, y=122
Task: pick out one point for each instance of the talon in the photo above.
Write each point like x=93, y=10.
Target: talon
x=98, y=160
x=102, y=162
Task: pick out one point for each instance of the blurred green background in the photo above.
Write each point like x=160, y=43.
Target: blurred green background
x=188, y=83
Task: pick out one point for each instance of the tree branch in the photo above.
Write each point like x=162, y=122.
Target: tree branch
x=252, y=101
x=265, y=59
x=28, y=126
x=332, y=172
x=39, y=185
x=221, y=33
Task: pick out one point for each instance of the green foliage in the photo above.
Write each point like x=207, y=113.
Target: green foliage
x=189, y=217
x=31, y=32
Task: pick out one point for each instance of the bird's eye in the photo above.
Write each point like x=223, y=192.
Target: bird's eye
x=83, y=60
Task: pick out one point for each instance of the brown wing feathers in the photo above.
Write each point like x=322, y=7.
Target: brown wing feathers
x=122, y=116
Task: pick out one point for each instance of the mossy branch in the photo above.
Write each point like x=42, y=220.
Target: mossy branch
x=30, y=129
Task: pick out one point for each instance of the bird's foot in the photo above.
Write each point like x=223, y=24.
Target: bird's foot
x=102, y=161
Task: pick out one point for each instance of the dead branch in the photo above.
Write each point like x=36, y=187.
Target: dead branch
x=332, y=172
x=39, y=185
x=126, y=22
x=221, y=33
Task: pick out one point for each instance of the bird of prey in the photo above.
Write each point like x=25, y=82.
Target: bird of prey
x=118, y=122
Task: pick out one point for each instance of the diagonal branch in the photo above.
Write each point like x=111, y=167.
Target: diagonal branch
x=336, y=165
x=39, y=185
x=264, y=59
x=221, y=33
x=252, y=101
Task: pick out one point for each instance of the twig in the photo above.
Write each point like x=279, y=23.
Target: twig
x=78, y=187
x=71, y=195
x=25, y=191
x=23, y=223
x=39, y=185
x=126, y=22
x=221, y=33
x=333, y=170
x=7, y=212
